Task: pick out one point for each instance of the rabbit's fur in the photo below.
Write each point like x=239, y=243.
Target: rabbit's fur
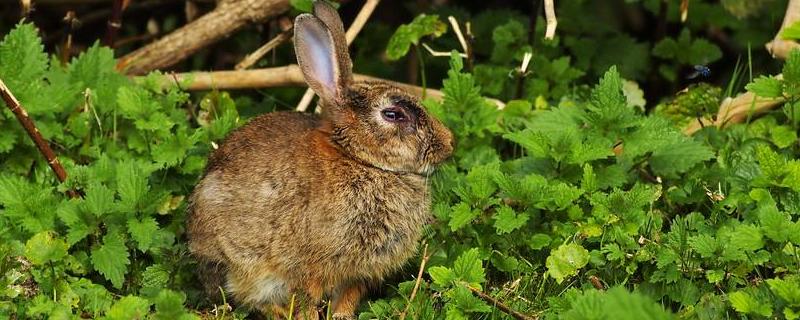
x=295, y=203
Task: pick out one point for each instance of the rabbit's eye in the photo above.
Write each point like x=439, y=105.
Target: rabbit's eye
x=393, y=115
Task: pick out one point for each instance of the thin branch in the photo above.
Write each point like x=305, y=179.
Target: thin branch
x=552, y=22
x=413, y=295
x=228, y=17
x=350, y=35
x=114, y=22
x=286, y=76
x=34, y=133
x=252, y=58
x=494, y=302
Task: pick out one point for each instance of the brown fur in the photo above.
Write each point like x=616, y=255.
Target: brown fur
x=296, y=203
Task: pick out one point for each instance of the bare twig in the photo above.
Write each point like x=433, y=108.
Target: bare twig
x=494, y=302
x=413, y=295
x=779, y=47
x=684, y=10
x=552, y=22
x=114, y=22
x=350, y=35
x=252, y=58
x=34, y=133
x=225, y=19
x=286, y=76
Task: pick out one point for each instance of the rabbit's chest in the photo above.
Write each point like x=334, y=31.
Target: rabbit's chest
x=382, y=228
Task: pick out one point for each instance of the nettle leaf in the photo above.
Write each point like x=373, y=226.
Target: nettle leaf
x=129, y=307
x=407, y=34
x=461, y=215
x=747, y=304
x=788, y=289
x=766, y=86
x=169, y=305
x=143, y=231
x=99, y=199
x=23, y=59
x=466, y=302
x=539, y=241
x=791, y=74
x=442, y=276
x=132, y=183
x=507, y=220
x=783, y=136
x=469, y=268
x=45, y=247
x=111, y=258
x=747, y=237
x=704, y=244
x=679, y=156
x=565, y=261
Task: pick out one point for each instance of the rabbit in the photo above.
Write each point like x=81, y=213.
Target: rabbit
x=317, y=206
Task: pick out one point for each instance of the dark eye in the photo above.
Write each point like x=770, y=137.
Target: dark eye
x=393, y=115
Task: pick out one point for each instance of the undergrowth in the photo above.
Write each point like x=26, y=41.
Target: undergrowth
x=570, y=202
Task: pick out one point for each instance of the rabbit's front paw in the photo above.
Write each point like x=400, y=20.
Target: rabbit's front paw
x=342, y=316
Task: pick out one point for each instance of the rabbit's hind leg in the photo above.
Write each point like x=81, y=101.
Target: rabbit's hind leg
x=346, y=300
x=265, y=292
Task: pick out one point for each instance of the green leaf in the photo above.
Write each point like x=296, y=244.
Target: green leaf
x=565, y=261
x=461, y=215
x=791, y=74
x=169, y=305
x=111, y=258
x=745, y=303
x=783, y=136
x=679, y=156
x=539, y=241
x=468, y=303
x=99, y=199
x=507, y=220
x=129, y=307
x=407, y=34
x=45, y=247
x=23, y=61
x=792, y=32
x=788, y=289
x=132, y=184
x=468, y=267
x=766, y=86
x=747, y=237
x=442, y=276
x=143, y=231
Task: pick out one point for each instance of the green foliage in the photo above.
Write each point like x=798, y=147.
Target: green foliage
x=568, y=188
x=411, y=33
x=133, y=153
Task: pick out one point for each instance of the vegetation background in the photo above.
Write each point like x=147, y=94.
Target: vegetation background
x=600, y=174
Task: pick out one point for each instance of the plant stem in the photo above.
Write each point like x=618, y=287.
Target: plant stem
x=36, y=136
x=422, y=71
x=511, y=312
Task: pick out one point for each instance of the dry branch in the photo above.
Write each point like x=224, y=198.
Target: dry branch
x=422, y=263
x=550, y=16
x=252, y=58
x=350, y=35
x=499, y=305
x=36, y=136
x=286, y=76
x=226, y=18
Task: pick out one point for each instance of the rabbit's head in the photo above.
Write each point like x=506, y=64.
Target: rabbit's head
x=373, y=122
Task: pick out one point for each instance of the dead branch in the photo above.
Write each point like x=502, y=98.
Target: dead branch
x=550, y=16
x=286, y=76
x=36, y=136
x=225, y=19
x=499, y=305
x=413, y=295
x=252, y=58
x=778, y=47
x=350, y=35
x=114, y=22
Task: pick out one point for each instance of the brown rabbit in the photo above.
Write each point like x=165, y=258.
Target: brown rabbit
x=296, y=203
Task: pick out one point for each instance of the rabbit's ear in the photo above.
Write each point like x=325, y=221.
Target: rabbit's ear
x=322, y=57
x=330, y=17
